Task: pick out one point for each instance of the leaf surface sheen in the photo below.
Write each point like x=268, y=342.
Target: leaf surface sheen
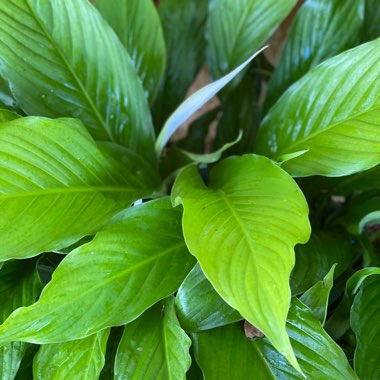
x=242, y=229
x=332, y=113
x=139, y=258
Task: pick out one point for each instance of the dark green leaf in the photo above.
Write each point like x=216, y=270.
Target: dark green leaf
x=56, y=186
x=371, y=27
x=69, y=62
x=331, y=115
x=138, y=26
x=236, y=228
x=322, y=29
x=154, y=347
x=6, y=98
x=6, y=115
x=136, y=260
x=78, y=359
x=199, y=306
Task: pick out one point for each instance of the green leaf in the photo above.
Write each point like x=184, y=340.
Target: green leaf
x=138, y=26
x=6, y=98
x=236, y=29
x=112, y=344
x=19, y=286
x=199, y=306
x=318, y=255
x=225, y=353
x=365, y=317
x=319, y=356
x=322, y=29
x=333, y=113
x=6, y=115
x=69, y=62
x=77, y=359
x=154, y=346
x=136, y=260
x=194, y=102
x=56, y=186
x=183, y=24
x=242, y=229
x=317, y=297
x=25, y=371
x=371, y=26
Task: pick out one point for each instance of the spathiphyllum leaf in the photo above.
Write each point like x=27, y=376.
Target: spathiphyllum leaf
x=371, y=27
x=236, y=29
x=154, y=347
x=136, y=260
x=69, y=62
x=320, y=31
x=199, y=306
x=365, y=317
x=236, y=228
x=332, y=114
x=6, y=98
x=6, y=115
x=19, y=286
x=56, y=185
x=78, y=359
x=138, y=26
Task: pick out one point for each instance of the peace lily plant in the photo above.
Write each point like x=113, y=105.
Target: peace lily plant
x=125, y=255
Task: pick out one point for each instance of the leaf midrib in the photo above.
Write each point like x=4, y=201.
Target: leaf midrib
x=71, y=70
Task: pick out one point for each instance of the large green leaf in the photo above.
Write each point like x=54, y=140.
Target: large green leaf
x=331, y=115
x=6, y=115
x=136, y=260
x=242, y=229
x=138, y=26
x=69, y=62
x=6, y=98
x=321, y=252
x=225, y=353
x=365, y=317
x=322, y=28
x=56, y=186
x=236, y=29
x=371, y=26
x=154, y=347
x=75, y=360
x=183, y=23
x=199, y=306
x=19, y=286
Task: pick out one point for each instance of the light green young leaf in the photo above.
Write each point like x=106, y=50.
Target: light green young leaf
x=75, y=360
x=183, y=24
x=321, y=29
x=242, y=229
x=138, y=26
x=69, y=62
x=365, y=317
x=199, y=306
x=333, y=113
x=56, y=186
x=236, y=29
x=139, y=258
x=318, y=255
x=19, y=286
x=194, y=102
x=317, y=297
x=154, y=347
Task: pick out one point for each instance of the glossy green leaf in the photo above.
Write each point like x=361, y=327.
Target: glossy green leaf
x=194, y=102
x=225, y=353
x=139, y=258
x=56, y=186
x=321, y=29
x=236, y=29
x=332, y=113
x=318, y=255
x=154, y=347
x=236, y=228
x=365, y=317
x=183, y=24
x=317, y=297
x=75, y=360
x=371, y=26
x=138, y=26
x=6, y=98
x=19, y=286
x=199, y=306
x=6, y=115
x=69, y=62
x=319, y=356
